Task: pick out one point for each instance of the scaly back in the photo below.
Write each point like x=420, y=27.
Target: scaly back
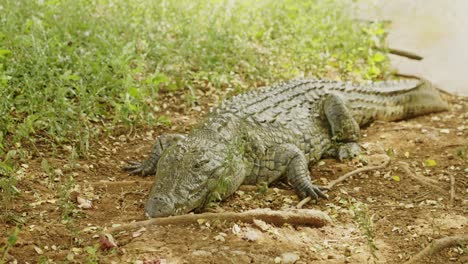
x=388, y=100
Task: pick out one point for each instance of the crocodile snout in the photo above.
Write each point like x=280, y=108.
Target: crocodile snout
x=159, y=206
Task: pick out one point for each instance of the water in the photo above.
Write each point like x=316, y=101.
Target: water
x=434, y=29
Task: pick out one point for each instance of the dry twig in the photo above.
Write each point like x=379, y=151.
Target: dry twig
x=303, y=202
x=404, y=53
x=307, y=217
x=452, y=189
x=346, y=176
x=419, y=207
x=438, y=245
x=428, y=182
x=349, y=174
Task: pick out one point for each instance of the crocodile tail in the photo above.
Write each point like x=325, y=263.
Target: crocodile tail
x=425, y=98
x=396, y=100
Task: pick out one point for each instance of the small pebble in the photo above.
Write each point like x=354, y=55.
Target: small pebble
x=201, y=253
x=445, y=131
x=289, y=257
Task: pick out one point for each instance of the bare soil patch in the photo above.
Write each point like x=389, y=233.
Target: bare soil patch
x=382, y=216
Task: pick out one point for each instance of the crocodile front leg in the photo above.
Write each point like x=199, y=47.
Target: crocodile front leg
x=295, y=165
x=148, y=167
x=344, y=129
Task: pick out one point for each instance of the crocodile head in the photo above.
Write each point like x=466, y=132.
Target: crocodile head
x=192, y=172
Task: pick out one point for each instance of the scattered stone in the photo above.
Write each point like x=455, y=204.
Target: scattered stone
x=261, y=224
x=84, y=203
x=89, y=229
x=236, y=229
x=58, y=172
x=201, y=221
x=220, y=237
x=252, y=234
x=289, y=257
x=70, y=256
x=240, y=193
x=38, y=250
x=77, y=250
x=201, y=253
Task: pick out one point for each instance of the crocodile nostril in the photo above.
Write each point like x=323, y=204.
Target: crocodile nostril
x=159, y=206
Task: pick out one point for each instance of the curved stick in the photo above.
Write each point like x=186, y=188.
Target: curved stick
x=406, y=54
x=426, y=181
x=307, y=217
x=349, y=174
x=344, y=177
x=438, y=245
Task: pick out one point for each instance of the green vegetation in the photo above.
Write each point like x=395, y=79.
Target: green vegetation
x=8, y=191
x=93, y=254
x=11, y=241
x=70, y=70
x=67, y=207
x=366, y=224
x=462, y=152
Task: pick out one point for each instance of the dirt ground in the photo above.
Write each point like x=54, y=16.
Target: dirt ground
x=382, y=216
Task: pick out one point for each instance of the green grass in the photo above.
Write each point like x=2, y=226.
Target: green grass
x=10, y=242
x=69, y=66
x=365, y=221
x=8, y=192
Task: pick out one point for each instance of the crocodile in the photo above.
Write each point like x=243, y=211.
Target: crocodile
x=273, y=133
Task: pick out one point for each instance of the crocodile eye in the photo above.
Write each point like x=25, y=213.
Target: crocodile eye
x=198, y=165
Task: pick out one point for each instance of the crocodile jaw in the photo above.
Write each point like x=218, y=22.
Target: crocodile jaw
x=159, y=206
x=162, y=206
x=183, y=175
x=180, y=200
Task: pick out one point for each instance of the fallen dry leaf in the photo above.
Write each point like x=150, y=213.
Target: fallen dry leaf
x=107, y=242
x=138, y=232
x=38, y=250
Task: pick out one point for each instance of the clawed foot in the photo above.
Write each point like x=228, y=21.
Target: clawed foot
x=142, y=168
x=315, y=191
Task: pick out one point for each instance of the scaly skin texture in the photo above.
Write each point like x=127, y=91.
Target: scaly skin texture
x=270, y=133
